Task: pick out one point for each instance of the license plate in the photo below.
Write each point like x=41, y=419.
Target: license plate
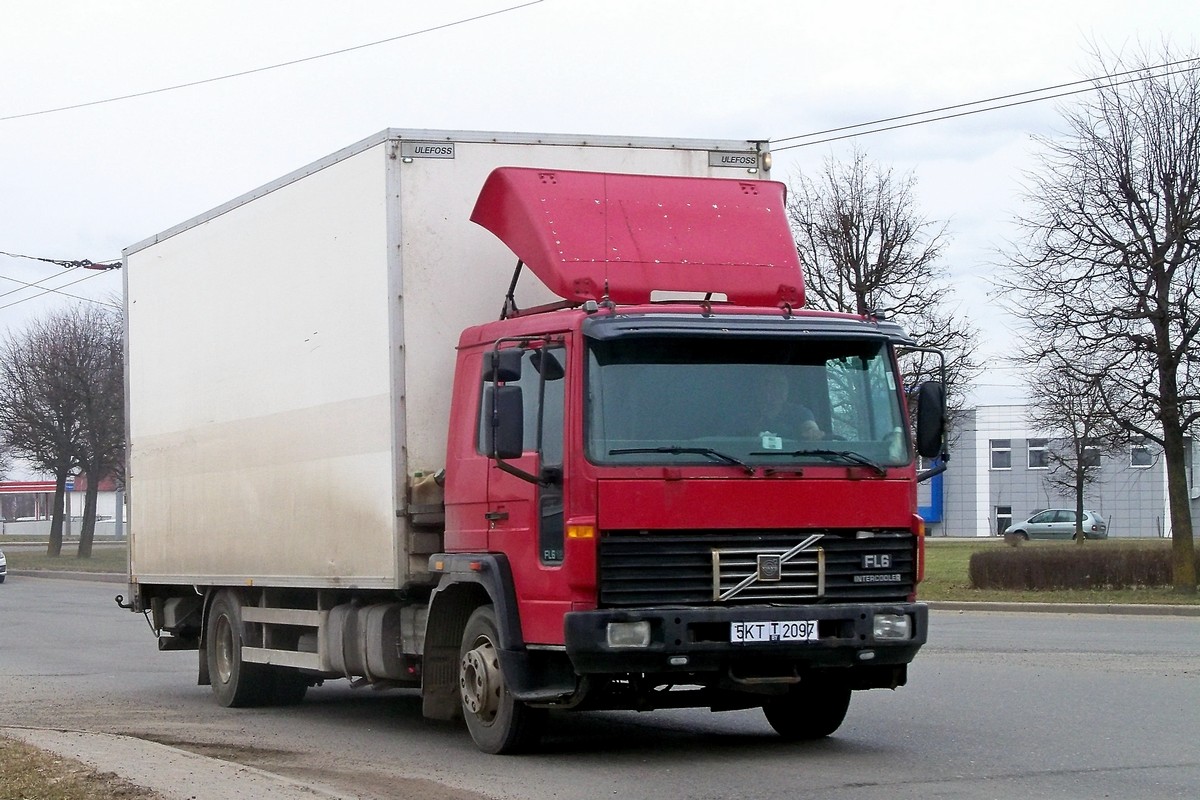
x=804, y=630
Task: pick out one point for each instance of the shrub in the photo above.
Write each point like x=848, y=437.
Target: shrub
x=1069, y=566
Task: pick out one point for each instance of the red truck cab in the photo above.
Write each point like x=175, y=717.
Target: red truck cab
x=675, y=487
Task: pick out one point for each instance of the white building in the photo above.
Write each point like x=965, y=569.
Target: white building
x=998, y=475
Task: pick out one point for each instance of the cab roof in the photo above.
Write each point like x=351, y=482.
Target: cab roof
x=591, y=235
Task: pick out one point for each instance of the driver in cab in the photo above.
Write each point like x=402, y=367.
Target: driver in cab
x=779, y=418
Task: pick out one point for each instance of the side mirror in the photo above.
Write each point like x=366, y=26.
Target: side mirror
x=505, y=435
x=502, y=366
x=547, y=365
x=931, y=418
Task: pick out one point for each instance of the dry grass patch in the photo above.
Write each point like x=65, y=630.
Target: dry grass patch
x=32, y=774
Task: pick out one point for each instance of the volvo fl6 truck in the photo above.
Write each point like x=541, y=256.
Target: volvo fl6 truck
x=528, y=424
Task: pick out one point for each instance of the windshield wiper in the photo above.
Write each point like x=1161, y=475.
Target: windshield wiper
x=717, y=455
x=830, y=455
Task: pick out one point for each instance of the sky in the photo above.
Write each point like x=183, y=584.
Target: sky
x=87, y=182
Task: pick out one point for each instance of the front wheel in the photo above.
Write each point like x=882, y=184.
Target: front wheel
x=812, y=710
x=498, y=722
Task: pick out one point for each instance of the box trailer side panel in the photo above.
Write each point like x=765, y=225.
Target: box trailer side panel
x=260, y=420
x=291, y=353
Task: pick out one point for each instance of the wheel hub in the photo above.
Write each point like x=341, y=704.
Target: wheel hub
x=224, y=649
x=479, y=680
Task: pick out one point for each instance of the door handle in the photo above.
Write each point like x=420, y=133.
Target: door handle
x=495, y=516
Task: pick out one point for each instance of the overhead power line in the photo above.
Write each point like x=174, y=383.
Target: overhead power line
x=50, y=290
x=97, y=268
x=270, y=67
x=81, y=264
x=990, y=104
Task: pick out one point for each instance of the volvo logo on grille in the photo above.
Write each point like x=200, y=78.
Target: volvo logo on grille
x=770, y=567
x=748, y=567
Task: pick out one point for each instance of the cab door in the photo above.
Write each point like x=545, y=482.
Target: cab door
x=525, y=491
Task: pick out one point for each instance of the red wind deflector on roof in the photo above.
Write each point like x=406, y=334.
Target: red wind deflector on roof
x=588, y=234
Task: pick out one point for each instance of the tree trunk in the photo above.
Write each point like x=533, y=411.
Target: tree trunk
x=87, y=531
x=54, y=547
x=1080, y=537
x=1183, y=552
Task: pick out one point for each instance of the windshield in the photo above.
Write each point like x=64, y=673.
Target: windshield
x=760, y=402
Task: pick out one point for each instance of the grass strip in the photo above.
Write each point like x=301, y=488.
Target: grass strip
x=946, y=576
x=104, y=559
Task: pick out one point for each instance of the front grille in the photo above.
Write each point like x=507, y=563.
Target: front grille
x=657, y=568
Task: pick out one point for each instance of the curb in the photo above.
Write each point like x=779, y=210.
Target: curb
x=171, y=772
x=68, y=575
x=1147, y=609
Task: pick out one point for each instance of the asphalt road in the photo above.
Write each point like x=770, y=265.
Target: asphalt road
x=1009, y=705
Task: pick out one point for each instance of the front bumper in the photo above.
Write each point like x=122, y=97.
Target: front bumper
x=698, y=639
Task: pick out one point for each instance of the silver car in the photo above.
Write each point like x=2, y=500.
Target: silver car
x=1059, y=523
x=3, y=567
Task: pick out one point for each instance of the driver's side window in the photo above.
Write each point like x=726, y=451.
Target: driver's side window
x=550, y=410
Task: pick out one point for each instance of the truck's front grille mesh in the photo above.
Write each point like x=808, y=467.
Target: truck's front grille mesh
x=656, y=568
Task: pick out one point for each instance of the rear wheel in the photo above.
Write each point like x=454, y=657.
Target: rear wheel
x=812, y=710
x=235, y=683
x=498, y=722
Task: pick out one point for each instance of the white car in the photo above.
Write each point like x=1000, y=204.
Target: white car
x=1059, y=523
x=3, y=567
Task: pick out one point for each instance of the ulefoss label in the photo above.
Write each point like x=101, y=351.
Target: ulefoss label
x=427, y=149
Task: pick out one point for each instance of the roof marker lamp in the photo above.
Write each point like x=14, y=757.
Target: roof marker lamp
x=892, y=627
x=625, y=635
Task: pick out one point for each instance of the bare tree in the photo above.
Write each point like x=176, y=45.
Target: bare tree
x=38, y=420
x=867, y=250
x=1075, y=418
x=97, y=358
x=1107, y=274
x=62, y=406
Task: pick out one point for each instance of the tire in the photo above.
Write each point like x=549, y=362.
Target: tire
x=235, y=683
x=498, y=723
x=812, y=710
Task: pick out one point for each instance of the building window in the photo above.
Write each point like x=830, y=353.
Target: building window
x=1001, y=453
x=1139, y=453
x=1003, y=519
x=1091, y=455
x=1039, y=458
